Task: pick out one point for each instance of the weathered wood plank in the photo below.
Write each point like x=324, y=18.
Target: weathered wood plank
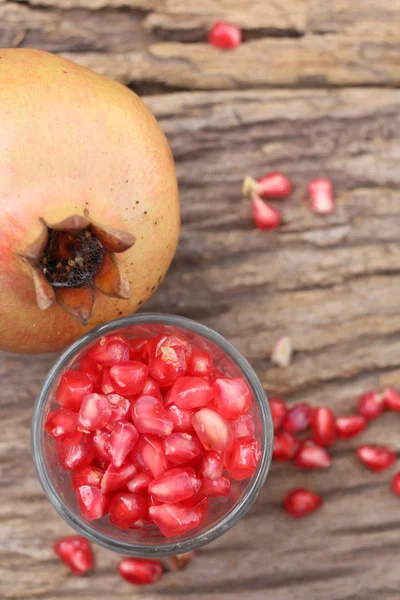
x=331, y=283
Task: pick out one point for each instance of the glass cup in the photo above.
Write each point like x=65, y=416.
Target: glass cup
x=149, y=542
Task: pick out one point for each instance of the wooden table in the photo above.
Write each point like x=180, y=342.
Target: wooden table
x=312, y=92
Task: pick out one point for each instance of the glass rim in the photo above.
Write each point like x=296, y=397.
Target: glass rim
x=197, y=539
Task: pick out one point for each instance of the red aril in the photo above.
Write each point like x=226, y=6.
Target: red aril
x=182, y=448
x=350, y=426
x=100, y=443
x=191, y=392
x=243, y=426
x=137, y=349
x=140, y=571
x=174, y=340
x=174, y=519
x=181, y=419
x=216, y=487
x=285, y=447
x=181, y=561
x=129, y=377
x=139, y=482
x=76, y=553
x=274, y=185
x=61, y=425
x=95, y=412
x=151, y=345
x=278, y=412
x=323, y=426
x=212, y=429
x=151, y=388
x=148, y=455
x=126, y=509
x=92, y=370
x=232, y=397
x=199, y=503
x=242, y=459
x=89, y=475
x=371, y=405
x=200, y=363
x=110, y=350
x=265, y=216
x=73, y=387
x=92, y=502
x=396, y=484
x=217, y=374
x=297, y=418
x=169, y=366
x=225, y=36
x=78, y=454
x=376, y=458
x=120, y=410
x=301, y=502
x=212, y=465
x=107, y=387
x=174, y=485
x=311, y=456
x=392, y=399
x=321, y=196
x=150, y=416
x=122, y=440
x=115, y=478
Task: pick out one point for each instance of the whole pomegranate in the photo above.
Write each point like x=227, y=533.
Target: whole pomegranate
x=89, y=209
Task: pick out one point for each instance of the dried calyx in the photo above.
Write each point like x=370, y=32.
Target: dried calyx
x=72, y=259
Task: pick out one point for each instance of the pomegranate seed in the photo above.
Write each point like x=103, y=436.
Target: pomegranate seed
x=274, y=185
x=61, y=425
x=73, y=387
x=120, y=410
x=179, y=562
x=181, y=419
x=139, y=482
x=232, y=397
x=217, y=374
x=152, y=344
x=212, y=429
x=169, y=366
x=321, y=196
x=225, y=36
x=76, y=553
x=175, y=340
x=110, y=350
x=376, y=458
x=139, y=571
x=301, y=502
x=150, y=416
x=323, y=426
x=200, y=363
x=191, y=392
x=200, y=505
x=174, y=519
x=282, y=352
x=396, y=484
x=151, y=388
x=129, y=377
x=311, y=456
x=392, y=399
x=79, y=454
x=298, y=418
x=148, y=455
x=92, y=502
x=174, y=485
x=242, y=460
x=371, y=405
x=244, y=426
x=126, y=509
x=182, y=448
x=278, y=412
x=115, y=478
x=350, y=426
x=264, y=215
x=92, y=370
x=100, y=443
x=106, y=384
x=137, y=349
x=212, y=465
x=285, y=447
x=95, y=412
x=88, y=475
x=216, y=487
x=122, y=440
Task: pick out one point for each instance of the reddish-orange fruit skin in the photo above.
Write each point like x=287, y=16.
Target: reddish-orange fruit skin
x=72, y=140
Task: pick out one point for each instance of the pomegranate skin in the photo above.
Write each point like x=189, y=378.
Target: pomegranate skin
x=80, y=143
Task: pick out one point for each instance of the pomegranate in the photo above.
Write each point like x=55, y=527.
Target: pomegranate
x=76, y=553
x=86, y=175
